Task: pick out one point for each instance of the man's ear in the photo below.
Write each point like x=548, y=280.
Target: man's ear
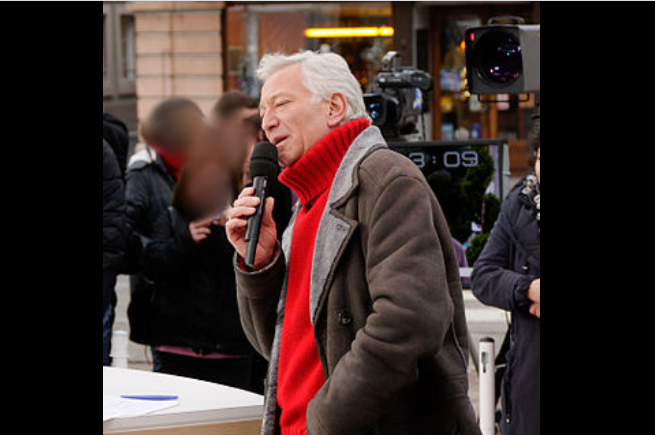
x=338, y=106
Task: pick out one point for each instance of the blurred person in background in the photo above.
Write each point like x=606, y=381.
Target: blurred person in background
x=195, y=320
x=508, y=276
x=232, y=109
x=113, y=240
x=169, y=133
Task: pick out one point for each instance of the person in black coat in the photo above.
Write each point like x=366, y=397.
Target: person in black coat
x=115, y=132
x=508, y=276
x=169, y=133
x=113, y=238
x=195, y=318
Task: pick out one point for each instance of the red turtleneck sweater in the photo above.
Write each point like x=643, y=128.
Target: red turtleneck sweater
x=300, y=371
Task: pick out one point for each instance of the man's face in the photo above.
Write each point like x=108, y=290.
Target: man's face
x=291, y=122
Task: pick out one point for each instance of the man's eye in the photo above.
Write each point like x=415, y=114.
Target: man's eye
x=282, y=103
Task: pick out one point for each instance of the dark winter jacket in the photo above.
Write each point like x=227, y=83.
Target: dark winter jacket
x=195, y=300
x=149, y=192
x=113, y=217
x=115, y=132
x=385, y=301
x=510, y=262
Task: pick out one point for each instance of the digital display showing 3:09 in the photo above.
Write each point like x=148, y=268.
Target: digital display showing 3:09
x=461, y=174
x=445, y=159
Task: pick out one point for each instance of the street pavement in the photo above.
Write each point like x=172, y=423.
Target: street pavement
x=483, y=322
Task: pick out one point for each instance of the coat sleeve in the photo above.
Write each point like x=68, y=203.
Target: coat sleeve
x=113, y=212
x=170, y=246
x=258, y=295
x=495, y=283
x=412, y=311
x=137, y=204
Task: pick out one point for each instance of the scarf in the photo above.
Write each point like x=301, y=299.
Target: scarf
x=532, y=191
x=173, y=161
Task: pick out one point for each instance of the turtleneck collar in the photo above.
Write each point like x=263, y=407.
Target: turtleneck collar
x=314, y=173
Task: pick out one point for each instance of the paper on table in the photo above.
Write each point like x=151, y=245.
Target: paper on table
x=113, y=407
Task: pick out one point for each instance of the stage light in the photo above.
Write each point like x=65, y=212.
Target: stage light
x=350, y=32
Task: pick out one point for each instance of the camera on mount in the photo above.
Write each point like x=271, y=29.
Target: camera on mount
x=399, y=103
x=504, y=57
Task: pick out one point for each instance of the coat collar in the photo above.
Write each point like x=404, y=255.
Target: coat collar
x=336, y=230
x=314, y=173
x=346, y=180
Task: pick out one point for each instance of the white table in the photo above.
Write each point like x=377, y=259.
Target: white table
x=204, y=408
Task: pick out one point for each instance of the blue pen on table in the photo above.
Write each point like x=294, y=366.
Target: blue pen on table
x=152, y=398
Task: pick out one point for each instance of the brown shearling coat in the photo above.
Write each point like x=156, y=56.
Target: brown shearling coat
x=386, y=304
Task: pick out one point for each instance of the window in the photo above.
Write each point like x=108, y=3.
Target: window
x=118, y=51
x=253, y=31
x=128, y=61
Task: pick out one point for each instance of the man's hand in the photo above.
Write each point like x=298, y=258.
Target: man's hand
x=534, y=295
x=244, y=207
x=200, y=230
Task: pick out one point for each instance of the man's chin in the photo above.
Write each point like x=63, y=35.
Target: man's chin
x=286, y=162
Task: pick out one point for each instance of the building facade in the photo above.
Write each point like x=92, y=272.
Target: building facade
x=119, y=63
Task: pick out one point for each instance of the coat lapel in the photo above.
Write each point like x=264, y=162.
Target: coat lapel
x=335, y=230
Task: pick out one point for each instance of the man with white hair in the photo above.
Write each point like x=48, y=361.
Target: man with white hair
x=360, y=310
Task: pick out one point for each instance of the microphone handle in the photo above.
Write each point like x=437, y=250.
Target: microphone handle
x=255, y=221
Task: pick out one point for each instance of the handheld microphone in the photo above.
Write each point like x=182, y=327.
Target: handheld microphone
x=264, y=170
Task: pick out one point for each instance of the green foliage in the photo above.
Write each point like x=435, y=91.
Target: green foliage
x=476, y=247
x=492, y=206
x=461, y=193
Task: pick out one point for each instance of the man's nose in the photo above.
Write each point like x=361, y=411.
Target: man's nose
x=269, y=122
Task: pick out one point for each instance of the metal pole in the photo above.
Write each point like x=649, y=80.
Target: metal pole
x=119, y=350
x=488, y=386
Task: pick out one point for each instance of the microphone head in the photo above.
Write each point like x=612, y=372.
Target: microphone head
x=264, y=161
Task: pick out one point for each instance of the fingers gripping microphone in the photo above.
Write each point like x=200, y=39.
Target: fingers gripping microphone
x=264, y=170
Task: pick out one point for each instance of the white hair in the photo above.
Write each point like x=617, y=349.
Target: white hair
x=324, y=75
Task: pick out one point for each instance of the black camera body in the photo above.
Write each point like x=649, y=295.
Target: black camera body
x=408, y=78
x=401, y=98
x=504, y=59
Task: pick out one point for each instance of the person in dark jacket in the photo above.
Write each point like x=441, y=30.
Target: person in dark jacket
x=115, y=132
x=508, y=276
x=197, y=326
x=151, y=177
x=113, y=239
